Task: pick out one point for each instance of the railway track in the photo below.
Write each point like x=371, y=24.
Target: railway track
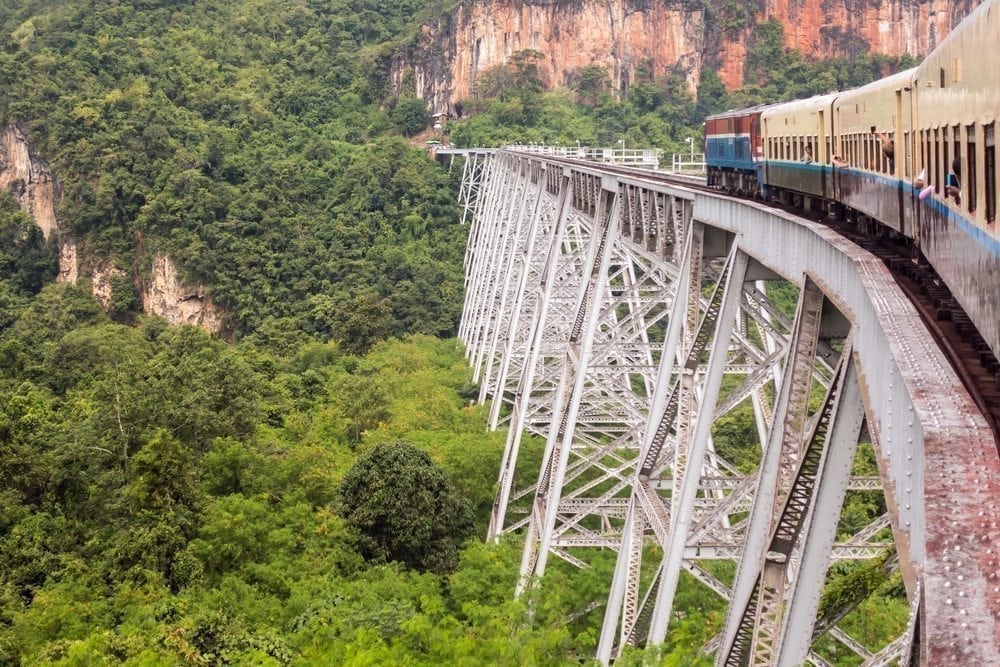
x=951, y=327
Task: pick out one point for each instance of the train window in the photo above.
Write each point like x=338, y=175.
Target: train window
x=937, y=163
x=928, y=164
x=990, y=166
x=908, y=157
x=944, y=153
x=942, y=77
x=970, y=178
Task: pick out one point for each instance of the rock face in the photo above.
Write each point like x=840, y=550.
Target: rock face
x=164, y=295
x=656, y=35
x=619, y=35
x=28, y=178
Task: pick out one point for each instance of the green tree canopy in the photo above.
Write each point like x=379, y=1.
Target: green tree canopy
x=405, y=509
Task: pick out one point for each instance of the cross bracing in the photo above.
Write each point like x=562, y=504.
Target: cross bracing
x=617, y=319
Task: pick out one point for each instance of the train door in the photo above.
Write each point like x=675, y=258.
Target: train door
x=908, y=140
x=822, y=153
x=756, y=140
x=900, y=162
x=837, y=148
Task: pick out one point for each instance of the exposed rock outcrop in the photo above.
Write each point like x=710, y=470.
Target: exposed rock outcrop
x=619, y=35
x=28, y=178
x=164, y=295
x=656, y=35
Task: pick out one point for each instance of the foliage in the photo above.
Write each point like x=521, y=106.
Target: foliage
x=246, y=140
x=168, y=498
x=405, y=508
x=410, y=115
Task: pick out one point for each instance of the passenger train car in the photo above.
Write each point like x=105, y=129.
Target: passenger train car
x=888, y=152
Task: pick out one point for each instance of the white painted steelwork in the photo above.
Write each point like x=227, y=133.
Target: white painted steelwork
x=603, y=310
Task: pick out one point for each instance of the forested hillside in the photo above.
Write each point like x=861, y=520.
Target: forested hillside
x=247, y=141
x=311, y=486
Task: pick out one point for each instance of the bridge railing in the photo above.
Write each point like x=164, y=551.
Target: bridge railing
x=634, y=157
x=692, y=164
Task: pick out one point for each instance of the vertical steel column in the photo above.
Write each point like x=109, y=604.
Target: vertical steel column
x=509, y=205
x=473, y=250
x=527, y=257
x=778, y=466
x=526, y=385
x=580, y=346
x=484, y=234
x=823, y=516
x=681, y=519
x=624, y=594
x=507, y=309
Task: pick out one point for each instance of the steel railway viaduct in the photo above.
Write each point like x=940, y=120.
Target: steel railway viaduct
x=616, y=316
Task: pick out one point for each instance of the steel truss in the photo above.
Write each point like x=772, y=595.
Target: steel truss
x=604, y=316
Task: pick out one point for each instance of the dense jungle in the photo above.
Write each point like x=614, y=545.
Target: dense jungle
x=311, y=483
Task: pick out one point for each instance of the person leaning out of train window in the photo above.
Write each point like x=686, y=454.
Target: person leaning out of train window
x=838, y=161
x=808, y=156
x=888, y=148
x=953, y=186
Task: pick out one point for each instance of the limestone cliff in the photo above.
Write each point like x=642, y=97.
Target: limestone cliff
x=831, y=28
x=28, y=178
x=165, y=295
x=619, y=35
x=623, y=35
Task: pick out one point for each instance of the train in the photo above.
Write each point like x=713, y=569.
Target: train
x=912, y=156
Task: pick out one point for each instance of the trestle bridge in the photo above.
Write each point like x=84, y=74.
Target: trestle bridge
x=619, y=316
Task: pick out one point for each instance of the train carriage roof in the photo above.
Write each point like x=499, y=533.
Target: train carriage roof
x=876, y=89
x=805, y=104
x=737, y=113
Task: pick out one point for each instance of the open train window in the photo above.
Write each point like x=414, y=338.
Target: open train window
x=945, y=150
x=908, y=157
x=925, y=140
x=990, y=165
x=970, y=178
x=937, y=162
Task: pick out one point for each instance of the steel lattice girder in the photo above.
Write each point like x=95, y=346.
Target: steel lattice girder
x=912, y=402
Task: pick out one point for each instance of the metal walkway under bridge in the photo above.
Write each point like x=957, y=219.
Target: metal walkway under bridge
x=621, y=320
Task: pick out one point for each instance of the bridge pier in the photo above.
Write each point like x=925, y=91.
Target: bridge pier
x=606, y=311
